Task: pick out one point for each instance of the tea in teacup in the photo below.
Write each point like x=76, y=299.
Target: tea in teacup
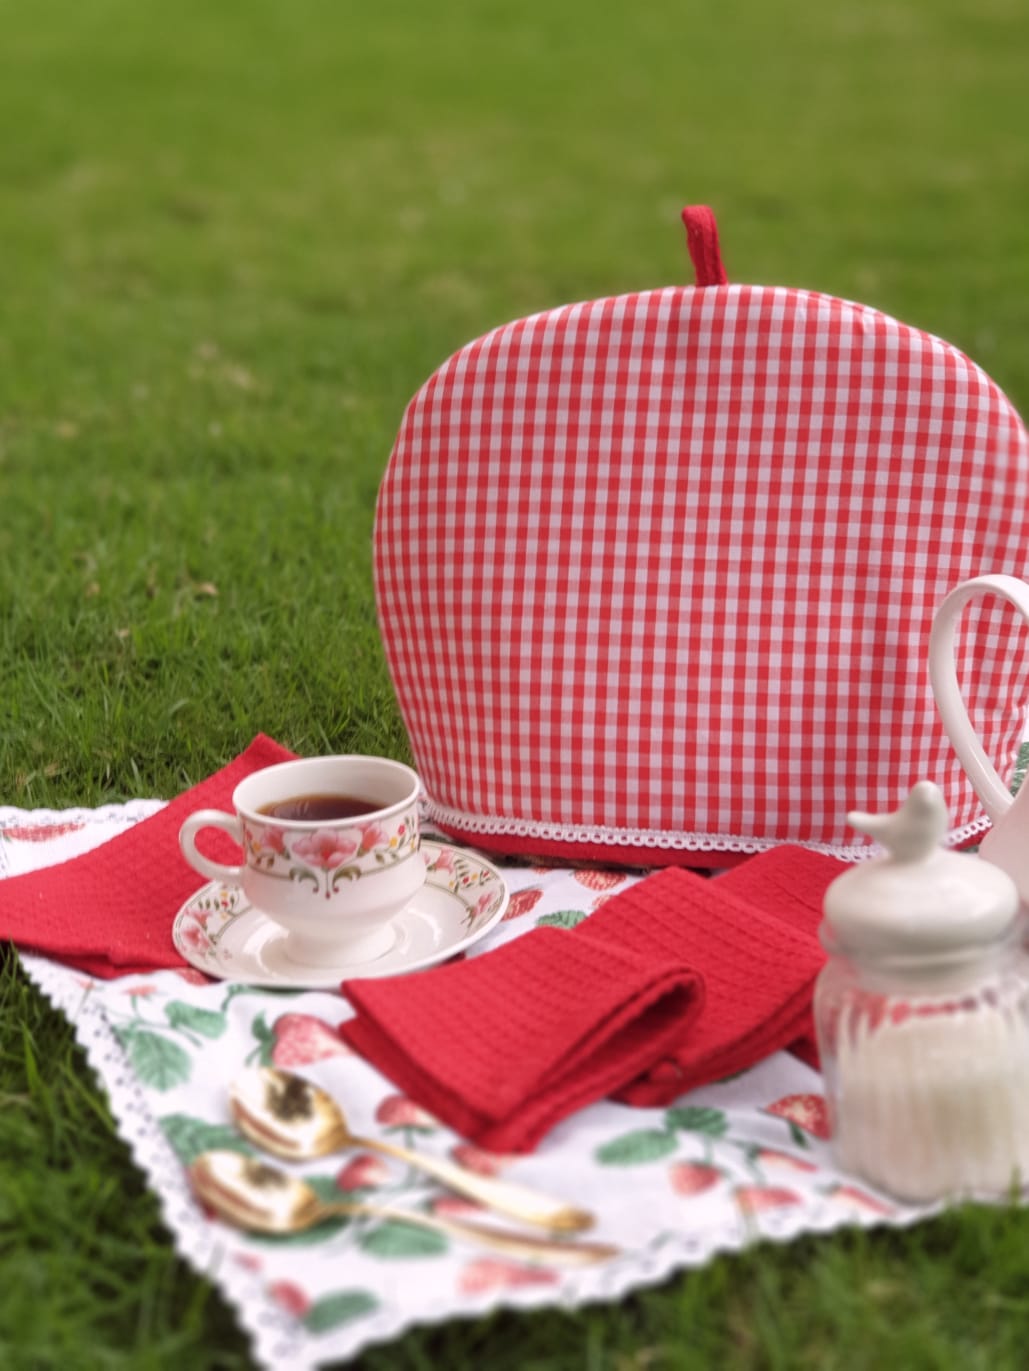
x=319, y=808
x=330, y=852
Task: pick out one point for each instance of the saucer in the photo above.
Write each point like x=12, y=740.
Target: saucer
x=220, y=933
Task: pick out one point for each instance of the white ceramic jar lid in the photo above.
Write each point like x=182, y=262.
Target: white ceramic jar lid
x=917, y=899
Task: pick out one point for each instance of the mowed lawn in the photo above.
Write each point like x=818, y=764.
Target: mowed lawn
x=234, y=239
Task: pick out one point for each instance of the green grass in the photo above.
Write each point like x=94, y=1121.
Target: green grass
x=234, y=239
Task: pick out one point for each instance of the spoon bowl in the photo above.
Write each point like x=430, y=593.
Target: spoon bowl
x=298, y=1121
x=259, y=1198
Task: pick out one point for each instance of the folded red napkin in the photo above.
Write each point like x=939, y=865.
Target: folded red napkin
x=504, y=1045
x=789, y=883
x=567, y=1020
x=110, y=911
x=755, y=943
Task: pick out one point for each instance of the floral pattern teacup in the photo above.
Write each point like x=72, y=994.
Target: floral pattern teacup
x=334, y=884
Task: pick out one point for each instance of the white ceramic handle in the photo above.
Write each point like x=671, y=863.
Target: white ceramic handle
x=943, y=674
x=211, y=818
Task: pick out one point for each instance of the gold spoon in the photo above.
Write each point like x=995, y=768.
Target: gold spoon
x=265, y=1199
x=289, y=1116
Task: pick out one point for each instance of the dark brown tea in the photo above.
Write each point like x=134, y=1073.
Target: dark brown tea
x=320, y=809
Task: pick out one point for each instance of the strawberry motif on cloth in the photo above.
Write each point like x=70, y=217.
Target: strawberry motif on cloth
x=656, y=573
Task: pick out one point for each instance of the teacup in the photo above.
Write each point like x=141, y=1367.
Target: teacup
x=333, y=883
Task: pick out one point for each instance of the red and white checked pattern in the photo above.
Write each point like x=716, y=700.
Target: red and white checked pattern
x=656, y=573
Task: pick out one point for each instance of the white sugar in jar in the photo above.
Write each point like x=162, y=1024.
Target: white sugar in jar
x=922, y=1014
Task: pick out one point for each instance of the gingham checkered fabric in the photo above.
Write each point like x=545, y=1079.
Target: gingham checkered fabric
x=656, y=574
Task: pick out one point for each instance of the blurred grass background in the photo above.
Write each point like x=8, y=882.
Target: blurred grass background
x=234, y=239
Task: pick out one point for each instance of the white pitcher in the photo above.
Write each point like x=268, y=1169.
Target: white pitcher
x=1007, y=843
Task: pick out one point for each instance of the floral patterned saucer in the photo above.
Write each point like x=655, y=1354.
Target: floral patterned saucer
x=221, y=934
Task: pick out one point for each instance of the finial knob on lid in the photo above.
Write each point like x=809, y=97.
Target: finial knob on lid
x=917, y=898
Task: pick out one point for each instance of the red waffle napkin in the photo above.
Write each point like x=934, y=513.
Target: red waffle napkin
x=502, y=1046
x=789, y=883
x=110, y=911
x=755, y=942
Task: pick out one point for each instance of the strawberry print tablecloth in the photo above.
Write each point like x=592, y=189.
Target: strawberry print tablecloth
x=725, y=1166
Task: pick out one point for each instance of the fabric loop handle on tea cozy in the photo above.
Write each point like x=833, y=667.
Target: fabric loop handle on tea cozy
x=702, y=241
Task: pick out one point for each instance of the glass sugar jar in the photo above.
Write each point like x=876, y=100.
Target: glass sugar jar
x=922, y=1014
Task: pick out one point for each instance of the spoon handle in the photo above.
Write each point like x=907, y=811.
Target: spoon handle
x=550, y=1250
x=517, y=1201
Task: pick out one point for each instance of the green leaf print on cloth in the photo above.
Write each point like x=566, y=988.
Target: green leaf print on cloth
x=189, y=1137
x=561, y=918
x=391, y=1239
x=155, y=1060
x=636, y=1148
x=332, y=1311
x=698, y=1119
x=209, y=1023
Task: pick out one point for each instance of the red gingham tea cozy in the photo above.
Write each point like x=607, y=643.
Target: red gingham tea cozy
x=656, y=573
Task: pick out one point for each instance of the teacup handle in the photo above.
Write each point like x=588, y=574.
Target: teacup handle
x=211, y=818
x=996, y=797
